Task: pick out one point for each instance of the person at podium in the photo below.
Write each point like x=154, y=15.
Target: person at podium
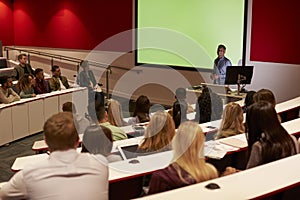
x=220, y=65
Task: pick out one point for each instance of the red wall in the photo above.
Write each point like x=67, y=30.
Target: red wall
x=275, y=33
x=70, y=24
x=79, y=24
x=6, y=22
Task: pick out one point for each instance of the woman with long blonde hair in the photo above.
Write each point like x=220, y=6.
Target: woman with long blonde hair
x=188, y=165
x=115, y=115
x=159, y=133
x=232, y=121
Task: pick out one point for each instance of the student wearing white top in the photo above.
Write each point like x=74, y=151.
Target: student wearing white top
x=67, y=174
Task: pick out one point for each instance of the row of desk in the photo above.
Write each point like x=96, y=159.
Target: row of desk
x=256, y=183
x=125, y=176
x=123, y=169
x=208, y=128
x=27, y=116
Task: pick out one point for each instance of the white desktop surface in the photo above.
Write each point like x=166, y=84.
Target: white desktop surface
x=292, y=126
x=246, y=184
x=149, y=163
x=20, y=162
x=124, y=170
x=287, y=105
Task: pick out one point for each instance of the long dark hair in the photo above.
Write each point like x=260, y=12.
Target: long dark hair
x=142, y=106
x=263, y=126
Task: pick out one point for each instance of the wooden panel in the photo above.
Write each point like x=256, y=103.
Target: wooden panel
x=6, y=135
x=80, y=100
x=63, y=98
x=36, y=116
x=50, y=106
x=20, y=121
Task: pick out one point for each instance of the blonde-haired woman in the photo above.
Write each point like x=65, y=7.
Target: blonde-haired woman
x=188, y=165
x=232, y=121
x=159, y=133
x=115, y=115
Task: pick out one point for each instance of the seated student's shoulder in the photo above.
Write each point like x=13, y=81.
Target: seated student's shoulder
x=91, y=159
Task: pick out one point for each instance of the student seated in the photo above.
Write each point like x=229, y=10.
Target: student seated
x=266, y=95
x=141, y=111
x=98, y=140
x=41, y=85
x=7, y=94
x=180, y=107
x=188, y=165
x=249, y=100
x=267, y=139
x=209, y=106
x=115, y=115
x=102, y=117
x=57, y=82
x=25, y=86
x=232, y=121
x=159, y=134
x=66, y=174
x=23, y=67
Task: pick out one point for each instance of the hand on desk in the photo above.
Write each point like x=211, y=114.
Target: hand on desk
x=230, y=170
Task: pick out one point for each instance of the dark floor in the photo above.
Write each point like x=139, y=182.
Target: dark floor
x=8, y=154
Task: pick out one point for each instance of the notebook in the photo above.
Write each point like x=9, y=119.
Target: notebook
x=235, y=142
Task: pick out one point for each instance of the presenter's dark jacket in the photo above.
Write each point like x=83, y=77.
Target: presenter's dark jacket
x=55, y=85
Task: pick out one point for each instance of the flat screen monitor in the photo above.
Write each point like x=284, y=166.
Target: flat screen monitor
x=3, y=63
x=238, y=75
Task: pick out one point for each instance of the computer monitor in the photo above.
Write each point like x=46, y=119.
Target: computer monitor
x=3, y=63
x=238, y=75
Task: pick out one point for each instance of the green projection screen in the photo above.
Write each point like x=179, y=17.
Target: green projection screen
x=186, y=33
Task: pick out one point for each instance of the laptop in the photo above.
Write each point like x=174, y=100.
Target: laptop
x=128, y=151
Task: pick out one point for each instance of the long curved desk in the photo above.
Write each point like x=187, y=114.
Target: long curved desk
x=27, y=116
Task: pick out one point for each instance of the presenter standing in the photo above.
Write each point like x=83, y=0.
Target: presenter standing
x=220, y=65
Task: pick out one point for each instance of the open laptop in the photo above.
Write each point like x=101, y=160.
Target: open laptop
x=128, y=151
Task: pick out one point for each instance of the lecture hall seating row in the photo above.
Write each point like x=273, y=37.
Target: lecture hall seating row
x=27, y=116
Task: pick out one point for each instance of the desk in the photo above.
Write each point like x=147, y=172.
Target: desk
x=221, y=90
x=123, y=174
x=288, y=109
x=42, y=146
x=6, y=71
x=257, y=182
x=27, y=116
